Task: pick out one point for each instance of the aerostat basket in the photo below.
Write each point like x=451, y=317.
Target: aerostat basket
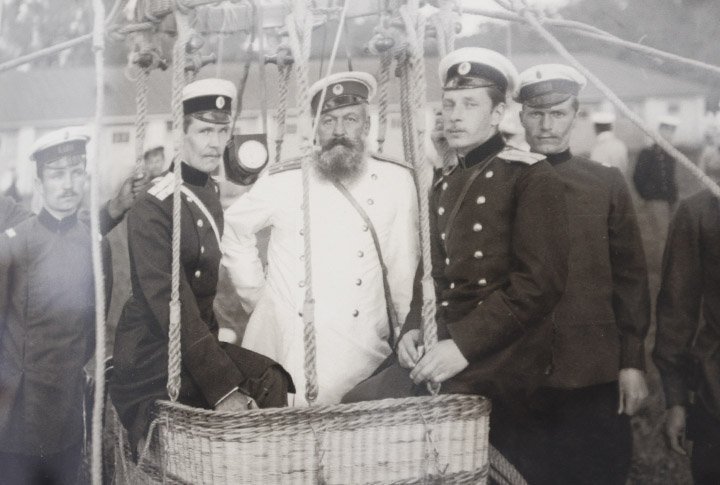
x=433, y=439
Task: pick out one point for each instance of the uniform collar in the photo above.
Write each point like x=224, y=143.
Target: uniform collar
x=605, y=135
x=55, y=225
x=191, y=175
x=491, y=147
x=558, y=158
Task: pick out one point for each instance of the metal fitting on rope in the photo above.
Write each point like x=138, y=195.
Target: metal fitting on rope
x=196, y=62
x=283, y=57
x=194, y=43
x=380, y=43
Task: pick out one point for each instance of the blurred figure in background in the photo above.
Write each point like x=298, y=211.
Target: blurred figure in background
x=608, y=150
x=154, y=158
x=709, y=161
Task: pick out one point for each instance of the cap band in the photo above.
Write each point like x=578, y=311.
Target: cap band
x=468, y=75
x=212, y=102
x=340, y=95
x=561, y=88
x=61, y=150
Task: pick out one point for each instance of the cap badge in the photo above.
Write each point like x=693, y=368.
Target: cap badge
x=220, y=102
x=538, y=74
x=338, y=89
x=464, y=68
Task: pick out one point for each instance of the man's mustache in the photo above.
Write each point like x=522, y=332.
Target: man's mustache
x=69, y=193
x=339, y=141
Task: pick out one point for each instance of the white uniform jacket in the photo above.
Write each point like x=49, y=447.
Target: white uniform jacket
x=610, y=151
x=351, y=320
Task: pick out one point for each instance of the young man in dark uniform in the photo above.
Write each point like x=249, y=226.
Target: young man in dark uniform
x=686, y=352
x=46, y=322
x=580, y=426
x=499, y=238
x=214, y=375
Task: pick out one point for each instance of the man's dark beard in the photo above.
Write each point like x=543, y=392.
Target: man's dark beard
x=341, y=159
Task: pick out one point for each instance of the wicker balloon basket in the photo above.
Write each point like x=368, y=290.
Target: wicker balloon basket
x=433, y=439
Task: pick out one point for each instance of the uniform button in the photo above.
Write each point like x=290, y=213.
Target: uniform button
x=301, y=283
x=444, y=303
x=200, y=223
x=217, y=189
x=480, y=200
x=302, y=257
x=447, y=260
x=441, y=210
x=478, y=255
x=197, y=274
x=442, y=236
x=482, y=282
x=358, y=282
x=477, y=227
x=365, y=228
x=355, y=313
x=371, y=202
x=444, y=186
x=301, y=232
x=360, y=254
x=202, y=249
x=373, y=176
x=452, y=286
x=489, y=174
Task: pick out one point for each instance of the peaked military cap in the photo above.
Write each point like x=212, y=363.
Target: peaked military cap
x=67, y=144
x=477, y=67
x=343, y=89
x=209, y=100
x=546, y=85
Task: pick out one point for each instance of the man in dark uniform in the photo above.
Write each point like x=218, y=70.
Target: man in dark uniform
x=499, y=237
x=46, y=322
x=654, y=174
x=579, y=422
x=686, y=352
x=214, y=375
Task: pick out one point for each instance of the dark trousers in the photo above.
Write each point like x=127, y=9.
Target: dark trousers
x=56, y=469
x=704, y=431
x=566, y=436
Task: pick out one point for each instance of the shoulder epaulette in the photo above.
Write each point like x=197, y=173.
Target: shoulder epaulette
x=512, y=154
x=163, y=186
x=285, y=165
x=383, y=158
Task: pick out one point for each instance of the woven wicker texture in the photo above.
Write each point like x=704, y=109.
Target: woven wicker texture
x=434, y=439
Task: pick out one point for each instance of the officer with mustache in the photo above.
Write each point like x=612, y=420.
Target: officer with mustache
x=354, y=302
x=214, y=375
x=46, y=321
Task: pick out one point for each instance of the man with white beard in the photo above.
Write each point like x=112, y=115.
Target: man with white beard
x=355, y=199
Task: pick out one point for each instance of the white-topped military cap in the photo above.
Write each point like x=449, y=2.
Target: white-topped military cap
x=209, y=100
x=343, y=89
x=477, y=67
x=603, y=118
x=669, y=120
x=549, y=84
x=65, y=143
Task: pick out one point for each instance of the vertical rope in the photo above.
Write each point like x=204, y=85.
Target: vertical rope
x=174, y=348
x=383, y=91
x=413, y=83
x=300, y=29
x=284, y=71
x=607, y=92
x=444, y=20
x=98, y=404
x=141, y=95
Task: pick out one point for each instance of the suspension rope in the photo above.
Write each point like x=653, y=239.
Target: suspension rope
x=174, y=346
x=98, y=398
x=585, y=30
x=383, y=92
x=141, y=98
x=607, y=92
x=300, y=24
x=284, y=71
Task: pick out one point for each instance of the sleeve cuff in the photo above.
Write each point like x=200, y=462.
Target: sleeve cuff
x=632, y=353
x=212, y=369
